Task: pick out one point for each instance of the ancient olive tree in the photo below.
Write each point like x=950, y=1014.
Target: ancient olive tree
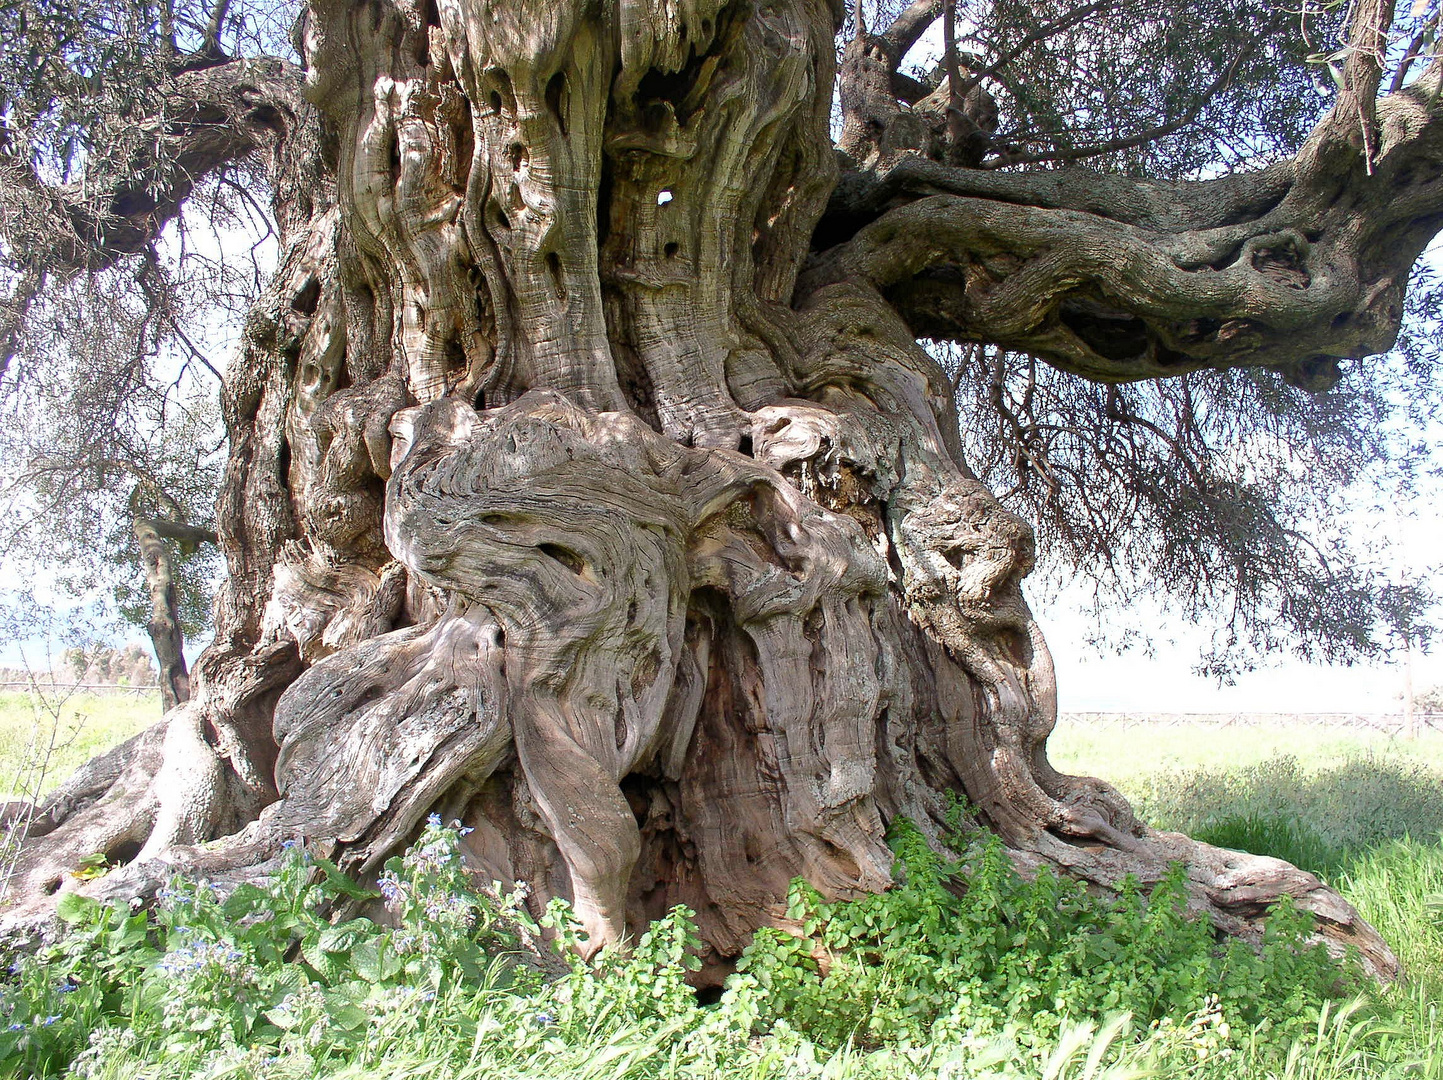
x=587, y=481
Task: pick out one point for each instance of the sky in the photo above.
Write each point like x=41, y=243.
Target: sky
x=1164, y=681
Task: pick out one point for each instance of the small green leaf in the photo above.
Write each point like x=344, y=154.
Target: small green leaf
x=73, y=909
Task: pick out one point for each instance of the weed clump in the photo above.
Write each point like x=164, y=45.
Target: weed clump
x=1318, y=819
x=963, y=968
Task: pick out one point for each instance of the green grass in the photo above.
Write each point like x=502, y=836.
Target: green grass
x=1317, y=797
x=72, y=731
x=1127, y=754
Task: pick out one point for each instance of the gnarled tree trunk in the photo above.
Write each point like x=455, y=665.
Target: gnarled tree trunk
x=588, y=483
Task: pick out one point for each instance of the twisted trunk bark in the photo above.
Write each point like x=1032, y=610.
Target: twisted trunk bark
x=556, y=506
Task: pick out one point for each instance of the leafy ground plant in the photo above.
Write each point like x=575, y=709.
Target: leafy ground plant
x=963, y=969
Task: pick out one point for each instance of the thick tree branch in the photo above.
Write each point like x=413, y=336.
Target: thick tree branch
x=15, y=312
x=208, y=118
x=1294, y=267
x=908, y=27
x=1168, y=206
x=1362, y=73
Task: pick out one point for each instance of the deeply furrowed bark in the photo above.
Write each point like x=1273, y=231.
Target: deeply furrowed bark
x=588, y=484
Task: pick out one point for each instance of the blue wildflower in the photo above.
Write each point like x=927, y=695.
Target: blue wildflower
x=543, y=1019
x=434, y=820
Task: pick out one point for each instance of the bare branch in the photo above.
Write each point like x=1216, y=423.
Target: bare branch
x=1141, y=138
x=1362, y=72
x=213, y=28
x=907, y=28
x=1414, y=51
x=1066, y=21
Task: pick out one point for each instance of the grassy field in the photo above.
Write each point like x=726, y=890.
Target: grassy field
x=44, y=741
x=1318, y=797
x=1009, y=979
x=1129, y=754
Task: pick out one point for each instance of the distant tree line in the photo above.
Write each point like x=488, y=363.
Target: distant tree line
x=130, y=666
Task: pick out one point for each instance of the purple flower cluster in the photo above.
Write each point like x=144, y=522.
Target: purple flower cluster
x=200, y=956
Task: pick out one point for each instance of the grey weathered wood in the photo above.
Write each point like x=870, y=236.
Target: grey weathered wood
x=573, y=494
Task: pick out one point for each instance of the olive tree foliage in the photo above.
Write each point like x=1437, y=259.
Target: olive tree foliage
x=112, y=441
x=585, y=478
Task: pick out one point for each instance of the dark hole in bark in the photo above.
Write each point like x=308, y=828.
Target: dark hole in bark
x=1256, y=208
x=671, y=249
x=636, y=384
x=308, y=298
x=268, y=116
x=464, y=139
x=1017, y=645
x=709, y=995
x=123, y=852
x=52, y=886
x=558, y=282
x=565, y=556
x=395, y=161
x=1170, y=357
x=1341, y=319
x=455, y=356
x=555, y=99
x=132, y=202
x=518, y=155
x=1316, y=374
x=499, y=220
x=283, y=461
x=673, y=87
x=745, y=446
x=431, y=14
x=603, y=203
x=1112, y=335
x=504, y=97
x=1201, y=329
x=495, y=102
x=636, y=790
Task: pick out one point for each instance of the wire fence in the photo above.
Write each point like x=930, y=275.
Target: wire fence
x=47, y=687
x=1383, y=723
